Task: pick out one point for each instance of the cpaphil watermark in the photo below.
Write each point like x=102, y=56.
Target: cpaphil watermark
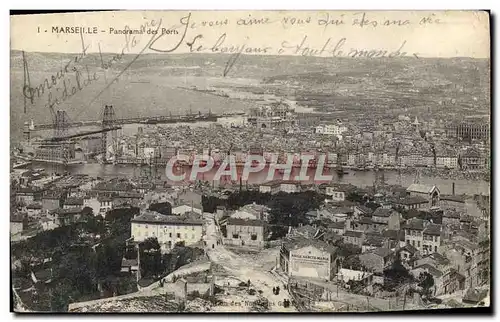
x=276, y=166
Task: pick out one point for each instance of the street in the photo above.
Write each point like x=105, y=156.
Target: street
x=245, y=269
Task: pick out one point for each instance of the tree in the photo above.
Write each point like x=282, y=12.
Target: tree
x=164, y=208
x=426, y=282
x=151, y=264
x=354, y=196
x=372, y=205
x=397, y=275
x=150, y=244
x=353, y=262
x=345, y=250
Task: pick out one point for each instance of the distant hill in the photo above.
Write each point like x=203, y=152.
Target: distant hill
x=150, y=85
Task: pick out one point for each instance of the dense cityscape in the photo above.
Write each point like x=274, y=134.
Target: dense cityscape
x=372, y=192
x=320, y=246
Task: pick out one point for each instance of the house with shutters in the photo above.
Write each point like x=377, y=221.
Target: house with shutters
x=354, y=237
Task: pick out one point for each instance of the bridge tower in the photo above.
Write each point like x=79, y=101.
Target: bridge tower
x=61, y=124
x=60, y=151
x=108, y=121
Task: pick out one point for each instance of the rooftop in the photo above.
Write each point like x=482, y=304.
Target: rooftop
x=420, y=188
x=365, y=220
x=431, y=269
x=184, y=208
x=451, y=214
x=382, y=252
x=433, y=229
x=67, y=212
x=414, y=223
x=129, y=262
x=74, y=202
x=148, y=216
x=337, y=225
x=394, y=234
x=382, y=212
x=438, y=258
x=411, y=249
x=415, y=200
x=455, y=198
x=245, y=222
x=34, y=206
x=352, y=233
x=16, y=217
x=301, y=242
x=364, y=209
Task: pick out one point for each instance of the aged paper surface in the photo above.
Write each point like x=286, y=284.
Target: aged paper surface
x=250, y=161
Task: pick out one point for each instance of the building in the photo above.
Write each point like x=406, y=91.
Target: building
x=346, y=275
x=68, y=216
x=16, y=224
x=390, y=217
x=27, y=195
x=414, y=228
x=49, y=223
x=308, y=258
x=184, y=209
x=290, y=187
x=429, y=192
x=105, y=204
x=34, y=210
x=335, y=194
x=338, y=192
x=129, y=265
x=431, y=239
x=377, y=260
x=446, y=161
x=372, y=241
x=467, y=258
x=337, y=227
x=252, y=211
x=451, y=218
x=271, y=187
x=168, y=230
x=423, y=235
x=245, y=232
x=415, y=202
x=331, y=129
x=306, y=231
x=453, y=201
x=274, y=116
x=61, y=152
x=354, y=237
x=473, y=160
x=394, y=238
x=93, y=202
x=470, y=130
x=445, y=281
x=362, y=211
x=407, y=253
x=52, y=200
x=73, y=203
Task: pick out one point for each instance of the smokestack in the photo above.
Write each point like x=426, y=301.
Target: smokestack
x=453, y=188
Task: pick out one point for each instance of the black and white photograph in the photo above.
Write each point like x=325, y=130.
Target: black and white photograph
x=250, y=161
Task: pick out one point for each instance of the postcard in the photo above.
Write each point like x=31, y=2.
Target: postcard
x=250, y=161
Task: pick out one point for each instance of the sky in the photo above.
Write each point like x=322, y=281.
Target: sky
x=423, y=33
